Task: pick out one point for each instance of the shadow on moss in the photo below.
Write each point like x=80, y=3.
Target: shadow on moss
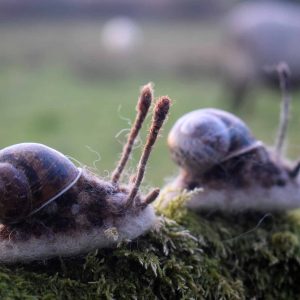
x=190, y=256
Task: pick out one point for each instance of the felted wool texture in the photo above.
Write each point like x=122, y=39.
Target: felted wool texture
x=127, y=227
x=258, y=198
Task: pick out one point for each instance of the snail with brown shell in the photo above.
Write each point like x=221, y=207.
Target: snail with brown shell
x=49, y=207
x=217, y=153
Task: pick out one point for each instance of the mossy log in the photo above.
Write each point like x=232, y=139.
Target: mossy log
x=189, y=256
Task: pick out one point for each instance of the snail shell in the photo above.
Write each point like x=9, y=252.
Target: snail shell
x=31, y=176
x=203, y=138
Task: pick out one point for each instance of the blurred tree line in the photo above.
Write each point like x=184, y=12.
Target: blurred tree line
x=95, y=8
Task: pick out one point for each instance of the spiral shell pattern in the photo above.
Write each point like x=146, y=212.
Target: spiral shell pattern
x=204, y=138
x=31, y=176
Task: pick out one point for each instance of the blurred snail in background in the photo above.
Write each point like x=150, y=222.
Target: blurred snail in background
x=217, y=152
x=49, y=207
x=207, y=137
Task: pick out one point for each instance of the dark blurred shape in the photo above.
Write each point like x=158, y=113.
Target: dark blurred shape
x=13, y=9
x=258, y=36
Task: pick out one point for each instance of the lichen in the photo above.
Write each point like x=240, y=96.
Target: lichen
x=189, y=256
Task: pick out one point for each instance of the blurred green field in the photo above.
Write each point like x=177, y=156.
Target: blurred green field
x=88, y=119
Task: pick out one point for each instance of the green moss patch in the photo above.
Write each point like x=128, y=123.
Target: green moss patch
x=189, y=256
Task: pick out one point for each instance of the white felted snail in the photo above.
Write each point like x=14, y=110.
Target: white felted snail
x=49, y=207
x=217, y=152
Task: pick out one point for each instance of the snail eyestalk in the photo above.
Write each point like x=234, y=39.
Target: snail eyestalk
x=150, y=197
x=295, y=171
x=284, y=79
x=160, y=113
x=142, y=108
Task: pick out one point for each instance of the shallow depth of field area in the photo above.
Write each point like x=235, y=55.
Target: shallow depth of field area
x=60, y=87
x=68, y=83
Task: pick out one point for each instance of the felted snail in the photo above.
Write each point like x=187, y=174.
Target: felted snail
x=49, y=207
x=217, y=152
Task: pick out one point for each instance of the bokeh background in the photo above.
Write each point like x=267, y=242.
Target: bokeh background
x=71, y=70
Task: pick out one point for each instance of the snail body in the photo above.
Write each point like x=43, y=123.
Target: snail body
x=49, y=207
x=88, y=216
x=217, y=152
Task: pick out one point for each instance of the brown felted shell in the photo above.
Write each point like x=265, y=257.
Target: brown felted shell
x=203, y=138
x=31, y=176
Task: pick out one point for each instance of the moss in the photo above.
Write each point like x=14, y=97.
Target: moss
x=190, y=256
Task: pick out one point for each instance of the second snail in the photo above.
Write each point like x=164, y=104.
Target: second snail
x=217, y=153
